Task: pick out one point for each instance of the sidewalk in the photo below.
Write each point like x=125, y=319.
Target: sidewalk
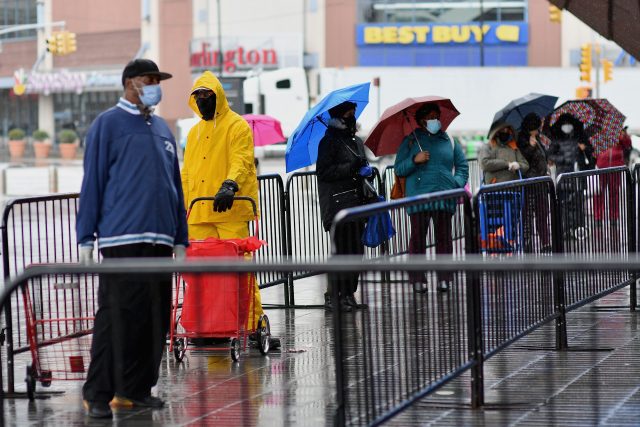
x=596, y=382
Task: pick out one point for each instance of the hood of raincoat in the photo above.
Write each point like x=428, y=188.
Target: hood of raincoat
x=217, y=150
x=209, y=81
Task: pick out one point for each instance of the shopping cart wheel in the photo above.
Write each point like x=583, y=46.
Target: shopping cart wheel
x=45, y=378
x=263, y=334
x=31, y=382
x=235, y=349
x=179, y=349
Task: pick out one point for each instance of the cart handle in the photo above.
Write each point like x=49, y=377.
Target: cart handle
x=245, y=198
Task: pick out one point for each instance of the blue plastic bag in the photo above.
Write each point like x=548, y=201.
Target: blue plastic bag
x=378, y=230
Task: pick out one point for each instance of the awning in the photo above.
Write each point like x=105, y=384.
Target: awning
x=616, y=20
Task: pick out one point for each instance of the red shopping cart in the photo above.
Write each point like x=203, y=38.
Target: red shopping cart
x=218, y=305
x=59, y=323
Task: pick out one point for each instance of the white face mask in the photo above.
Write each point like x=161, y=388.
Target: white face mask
x=567, y=128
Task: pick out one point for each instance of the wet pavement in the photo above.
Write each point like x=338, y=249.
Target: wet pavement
x=596, y=382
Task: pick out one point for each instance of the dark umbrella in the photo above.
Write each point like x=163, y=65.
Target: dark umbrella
x=517, y=109
x=616, y=20
x=602, y=121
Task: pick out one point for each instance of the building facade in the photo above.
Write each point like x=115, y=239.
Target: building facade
x=70, y=91
x=236, y=39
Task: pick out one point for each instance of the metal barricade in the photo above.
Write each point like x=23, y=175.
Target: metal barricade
x=41, y=230
x=515, y=218
x=399, y=244
x=419, y=329
x=307, y=240
x=272, y=229
x=596, y=215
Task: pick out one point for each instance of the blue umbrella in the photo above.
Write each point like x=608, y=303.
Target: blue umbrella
x=302, y=146
x=517, y=109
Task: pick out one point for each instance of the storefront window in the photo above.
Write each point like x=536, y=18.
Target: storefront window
x=448, y=11
x=18, y=12
x=77, y=112
x=18, y=112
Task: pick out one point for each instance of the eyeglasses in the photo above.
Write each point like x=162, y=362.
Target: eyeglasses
x=203, y=94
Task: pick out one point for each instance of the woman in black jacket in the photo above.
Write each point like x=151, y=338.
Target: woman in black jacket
x=536, y=205
x=570, y=146
x=341, y=169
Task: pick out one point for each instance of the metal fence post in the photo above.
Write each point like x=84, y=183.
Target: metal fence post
x=8, y=331
x=289, y=298
x=474, y=307
x=632, y=230
x=560, y=306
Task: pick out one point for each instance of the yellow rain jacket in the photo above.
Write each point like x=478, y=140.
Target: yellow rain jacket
x=218, y=150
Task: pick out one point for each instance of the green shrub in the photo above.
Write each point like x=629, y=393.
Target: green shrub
x=67, y=136
x=40, y=135
x=16, y=134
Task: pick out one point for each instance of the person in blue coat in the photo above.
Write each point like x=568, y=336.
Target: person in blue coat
x=430, y=161
x=131, y=204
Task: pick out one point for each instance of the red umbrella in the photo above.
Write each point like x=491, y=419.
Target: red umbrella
x=266, y=129
x=398, y=121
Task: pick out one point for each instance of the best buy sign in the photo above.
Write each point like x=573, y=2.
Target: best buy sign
x=494, y=33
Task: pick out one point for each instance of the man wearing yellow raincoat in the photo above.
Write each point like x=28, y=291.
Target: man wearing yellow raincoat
x=219, y=160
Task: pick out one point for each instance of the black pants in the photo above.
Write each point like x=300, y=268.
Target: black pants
x=420, y=223
x=348, y=241
x=130, y=328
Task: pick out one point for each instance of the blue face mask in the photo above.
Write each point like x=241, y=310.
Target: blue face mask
x=433, y=126
x=150, y=95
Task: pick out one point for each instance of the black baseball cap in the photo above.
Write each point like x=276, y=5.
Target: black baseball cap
x=143, y=67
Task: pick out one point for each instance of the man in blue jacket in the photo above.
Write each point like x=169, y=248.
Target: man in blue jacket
x=131, y=202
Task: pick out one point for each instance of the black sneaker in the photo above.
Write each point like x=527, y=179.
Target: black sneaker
x=274, y=343
x=351, y=300
x=328, y=304
x=97, y=409
x=344, y=306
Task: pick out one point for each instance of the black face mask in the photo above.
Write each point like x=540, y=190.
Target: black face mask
x=350, y=123
x=504, y=137
x=207, y=107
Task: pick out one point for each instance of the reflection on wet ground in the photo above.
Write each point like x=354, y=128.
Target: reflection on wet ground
x=597, y=382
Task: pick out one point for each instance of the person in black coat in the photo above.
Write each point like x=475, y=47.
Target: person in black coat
x=341, y=169
x=536, y=205
x=570, y=146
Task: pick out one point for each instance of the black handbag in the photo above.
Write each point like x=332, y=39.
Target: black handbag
x=345, y=199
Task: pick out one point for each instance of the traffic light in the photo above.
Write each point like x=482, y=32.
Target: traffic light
x=583, y=92
x=586, y=62
x=70, y=42
x=52, y=44
x=555, y=14
x=607, y=69
x=61, y=43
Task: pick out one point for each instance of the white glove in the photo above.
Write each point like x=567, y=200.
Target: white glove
x=85, y=255
x=180, y=252
x=514, y=166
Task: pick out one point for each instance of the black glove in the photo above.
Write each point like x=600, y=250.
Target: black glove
x=224, y=198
